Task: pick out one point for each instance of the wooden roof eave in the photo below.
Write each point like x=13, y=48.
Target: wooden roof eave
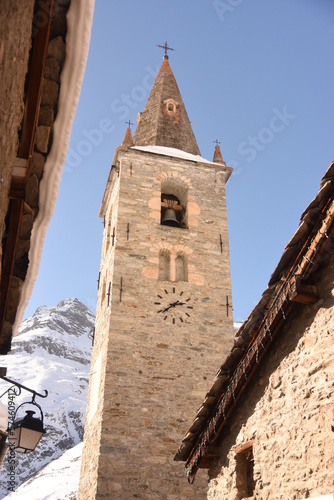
x=26, y=146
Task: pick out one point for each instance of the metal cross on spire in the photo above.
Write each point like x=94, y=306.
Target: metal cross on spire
x=166, y=48
x=216, y=142
x=129, y=123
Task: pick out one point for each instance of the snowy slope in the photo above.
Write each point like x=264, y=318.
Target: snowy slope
x=57, y=480
x=52, y=351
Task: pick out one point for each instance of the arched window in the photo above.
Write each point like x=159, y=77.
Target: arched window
x=171, y=107
x=164, y=265
x=181, y=267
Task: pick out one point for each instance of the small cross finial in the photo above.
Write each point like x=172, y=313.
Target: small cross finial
x=166, y=48
x=129, y=123
x=216, y=142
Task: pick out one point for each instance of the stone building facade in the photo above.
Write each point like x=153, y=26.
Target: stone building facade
x=164, y=304
x=269, y=433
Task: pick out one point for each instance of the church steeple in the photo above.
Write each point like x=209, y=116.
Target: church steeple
x=163, y=278
x=164, y=121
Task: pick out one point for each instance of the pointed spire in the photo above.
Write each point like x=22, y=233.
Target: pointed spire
x=217, y=156
x=127, y=141
x=164, y=121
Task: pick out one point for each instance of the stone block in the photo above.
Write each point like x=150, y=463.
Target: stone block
x=21, y=266
x=52, y=69
x=50, y=92
x=13, y=302
x=42, y=138
x=32, y=191
x=26, y=226
x=58, y=21
x=22, y=248
x=16, y=283
x=46, y=116
x=57, y=49
x=37, y=164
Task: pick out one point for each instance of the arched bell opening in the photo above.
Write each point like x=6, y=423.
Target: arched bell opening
x=171, y=210
x=173, y=205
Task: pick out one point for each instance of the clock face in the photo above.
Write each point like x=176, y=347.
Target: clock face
x=173, y=306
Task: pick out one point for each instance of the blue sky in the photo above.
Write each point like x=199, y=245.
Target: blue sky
x=257, y=76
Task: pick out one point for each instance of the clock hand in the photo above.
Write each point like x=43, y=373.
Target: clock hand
x=172, y=304
x=177, y=303
x=164, y=310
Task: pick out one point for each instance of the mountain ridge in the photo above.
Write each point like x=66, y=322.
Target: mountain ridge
x=51, y=351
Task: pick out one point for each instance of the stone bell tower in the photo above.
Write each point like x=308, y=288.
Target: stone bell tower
x=164, y=315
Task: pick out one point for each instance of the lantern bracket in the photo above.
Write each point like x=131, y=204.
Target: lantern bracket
x=21, y=386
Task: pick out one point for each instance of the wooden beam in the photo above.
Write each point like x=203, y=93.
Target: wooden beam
x=20, y=167
x=18, y=180
x=305, y=294
x=17, y=188
x=205, y=463
x=36, y=75
x=16, y=208
x=244, y=447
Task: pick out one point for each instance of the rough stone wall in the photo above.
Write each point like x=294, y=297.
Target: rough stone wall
x=15, y=35
x=96, y=393
x=288, y=412
x=156, y=373
x=18, y=43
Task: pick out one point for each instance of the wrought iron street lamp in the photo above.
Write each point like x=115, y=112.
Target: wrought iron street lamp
x=25, y=432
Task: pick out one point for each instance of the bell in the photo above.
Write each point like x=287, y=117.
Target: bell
x=169, y=218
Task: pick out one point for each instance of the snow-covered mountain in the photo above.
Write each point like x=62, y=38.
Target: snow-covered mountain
x=52, y=351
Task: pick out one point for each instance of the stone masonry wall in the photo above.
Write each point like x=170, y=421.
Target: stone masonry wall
x=289, y=412
x=92, y=438
x=150, y=374
x=15, y=29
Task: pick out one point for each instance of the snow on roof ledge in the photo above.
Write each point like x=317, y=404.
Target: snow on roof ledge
x=79, y=25
x=177, y=153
